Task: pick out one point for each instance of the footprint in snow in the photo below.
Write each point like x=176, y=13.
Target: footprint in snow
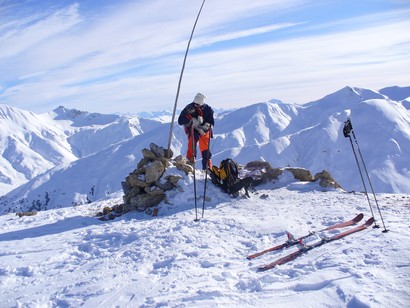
x=207, y=264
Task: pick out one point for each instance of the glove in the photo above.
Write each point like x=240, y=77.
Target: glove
x=197, y=122
x=188, y=124
x=205, y=127
x=190, y=110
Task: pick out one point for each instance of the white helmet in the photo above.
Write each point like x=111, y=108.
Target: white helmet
x=199, y=99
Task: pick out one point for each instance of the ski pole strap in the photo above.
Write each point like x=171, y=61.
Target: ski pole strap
x=347, y=128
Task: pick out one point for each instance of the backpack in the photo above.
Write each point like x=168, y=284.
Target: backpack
x=227, y=177
x=227, y=171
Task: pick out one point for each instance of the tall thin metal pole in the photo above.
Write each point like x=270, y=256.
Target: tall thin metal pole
x=180, y=79
x=368, y=178
x=347, y=130
x=364, y=185
x=192, y=139
x=206, y=170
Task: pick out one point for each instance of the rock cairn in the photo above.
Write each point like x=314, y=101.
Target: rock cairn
x=145, y=187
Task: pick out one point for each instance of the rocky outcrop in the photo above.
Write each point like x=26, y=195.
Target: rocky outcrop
x=263, y=172
x=146, y=186
x=301, y=174
x=326, y=180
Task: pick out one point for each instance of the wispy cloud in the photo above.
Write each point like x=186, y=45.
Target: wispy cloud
x=20, y=35
x=312, y=66
x=212, y=39
x=128, y=57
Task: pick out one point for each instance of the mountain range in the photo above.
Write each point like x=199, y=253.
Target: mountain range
x=68, y=157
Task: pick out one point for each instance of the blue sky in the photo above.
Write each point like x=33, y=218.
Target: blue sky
x=126, y=56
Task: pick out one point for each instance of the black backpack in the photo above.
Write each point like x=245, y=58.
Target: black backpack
x=227, y=177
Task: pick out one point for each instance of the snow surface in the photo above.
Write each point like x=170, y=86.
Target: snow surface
x=68, y=258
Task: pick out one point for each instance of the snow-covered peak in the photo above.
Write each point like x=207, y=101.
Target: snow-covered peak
x=366, y=94
x=19, y=117
x=68, y=113
x=345, y=97
x=396, y=93
x=82, y=118
x=164, y=116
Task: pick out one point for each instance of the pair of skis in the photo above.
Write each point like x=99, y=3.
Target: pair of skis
x=304, y=248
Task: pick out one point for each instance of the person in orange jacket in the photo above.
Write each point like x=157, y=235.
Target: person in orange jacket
x=198, y=121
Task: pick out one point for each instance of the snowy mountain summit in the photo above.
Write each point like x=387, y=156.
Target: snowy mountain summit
x=68, y=157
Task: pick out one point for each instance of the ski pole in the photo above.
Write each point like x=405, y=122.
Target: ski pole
x=346, y=132
x=193, y=145
x=180, y=78
x=368, y=178
x=208, y=154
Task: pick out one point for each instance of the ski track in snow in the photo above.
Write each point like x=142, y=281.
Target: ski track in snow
x=68, y=258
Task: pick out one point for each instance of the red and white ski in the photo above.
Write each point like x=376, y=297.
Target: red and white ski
x=293, y=241
x=306, y=248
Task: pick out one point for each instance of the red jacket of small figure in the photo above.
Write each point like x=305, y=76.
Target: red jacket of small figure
x=199, y=118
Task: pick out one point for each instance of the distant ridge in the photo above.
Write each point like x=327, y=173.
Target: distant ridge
x=66, y=154
x=396, y=93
